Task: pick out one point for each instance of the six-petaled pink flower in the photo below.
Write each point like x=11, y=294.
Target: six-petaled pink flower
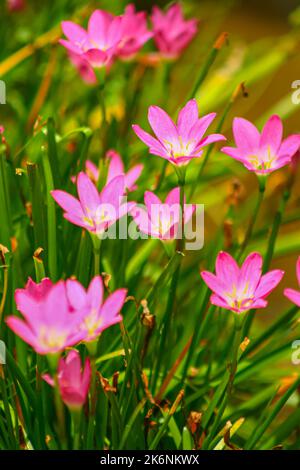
x=49, y=325
x=73, y=382
x=162, y=220
x=172, y=33
x=134, y=32
x=292, y=294
x=115, y=168
x=99, y=43
x=178, y=143
x=94, y=211
x=97, y=314
x=241, y=289
x=262, y=152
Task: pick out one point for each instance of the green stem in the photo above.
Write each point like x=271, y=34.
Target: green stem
x=275, y=229
x=262, y=187
x=96, y=248
x=238, y=318
x=76, y=418
x=209, y=62
x=51, y=219
x=92, y=349
x=59, y=413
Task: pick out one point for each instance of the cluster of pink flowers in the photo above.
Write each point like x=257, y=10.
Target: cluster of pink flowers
x=109, y=37
x=58, y=316
x=62, y=315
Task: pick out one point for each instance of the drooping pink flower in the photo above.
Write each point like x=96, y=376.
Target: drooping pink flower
x=94, y=211
x=161, y=220
x=97, y=314
x=241, y=289
x=49, y=324
x=292, y=294
x=73, y=382
x=99, y=43
x=171, y=32
x=84, y=68
x=134, y=32
x=262, y=152
x=178, y=143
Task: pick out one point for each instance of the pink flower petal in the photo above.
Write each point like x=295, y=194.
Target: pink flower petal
x=293, y=295
x=187, y=118
x=268, y=283
x=246, y=136
x=200, y=127
x=88, y=194
x=155, y=146
x=68, y=202
x=271, y=135
x=290, y=145
x=75, y=33
x=250, y=273
x=162, y=125
x=132, y=175
x=217, y=285
x=116, y=166
x=227, y=269
x=95, y=292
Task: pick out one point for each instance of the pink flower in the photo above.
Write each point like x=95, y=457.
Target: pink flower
x=49, y=324
x=1, y=130
x=265, y=152
x=182, y=142
x=161, y=220
x=116, y=168
x=241, y=289
x=73, y=383
x=171, y=32
x=97, y=314
x=99, y=43
x=292, y=294
x=134, y=32
x=94, y=211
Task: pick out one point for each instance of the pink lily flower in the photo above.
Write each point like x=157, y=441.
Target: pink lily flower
x=73, y=382
x=134, y=32
x=94, y=211
x=262, y=152
x=99, y=43
x=116, y=168
x=241, y=289
x=48, y=325
x=172, y=33
x=96, y=313
x=178, y=143
x=292, y=294
x=161, y=220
